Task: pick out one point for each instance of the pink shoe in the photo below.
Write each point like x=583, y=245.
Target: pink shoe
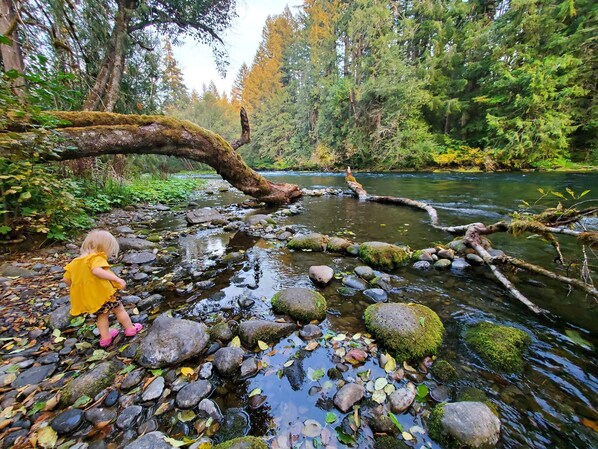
x=104, y=343
x=132, y=331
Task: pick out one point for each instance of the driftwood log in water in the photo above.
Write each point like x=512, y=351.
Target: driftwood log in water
x=88, y=134
x=473, y=231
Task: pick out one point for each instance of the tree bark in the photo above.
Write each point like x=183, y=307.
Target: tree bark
x=90, y=134
x=12, y=58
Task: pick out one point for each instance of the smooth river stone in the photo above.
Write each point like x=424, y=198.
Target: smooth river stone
x=191, y=395
x=67, y=421
x=154, y=390
x=347, y=396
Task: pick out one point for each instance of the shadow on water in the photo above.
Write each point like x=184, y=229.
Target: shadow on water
x=551, y=404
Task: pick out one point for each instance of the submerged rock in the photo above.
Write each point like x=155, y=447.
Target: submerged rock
x=409, y=330
x=242, y=443
x=313, y=242
x=355, y=283
x=348, y=395
x=501, y=347
x=464, y=424
x=301, y=304
x=268, y=331
x=337, y=245
x=321, y=274
x=376, y=294
x=383, y=255
x=227, y=361
x=90, y=383
x=170, y=341
x=204, y=215
x=152, y=440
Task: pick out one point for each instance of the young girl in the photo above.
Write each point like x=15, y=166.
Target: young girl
x=94, y=286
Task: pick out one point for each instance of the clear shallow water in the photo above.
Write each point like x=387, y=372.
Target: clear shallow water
x=545, y=406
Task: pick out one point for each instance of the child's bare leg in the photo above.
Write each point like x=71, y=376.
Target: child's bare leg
x=103, y=326
x=123, y=317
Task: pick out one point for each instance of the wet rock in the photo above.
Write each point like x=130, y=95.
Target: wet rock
x=10, y=270
x=376, y=294
x=383, y=255
x=380, y=422
x=134, y=243
x=148, y=426
x=60, y=318
x=204, y=215
x=409, y=330
x=123, y=230
x=130, y=299
x=129, y=417
x=97, y=415
x=354, y=283
x=337, y=245
x=90, y=383
x=295, y=374
x=268, y=331
x=192, y=394
x=365, y=272
x=152, y=440
x=468, y=424
x=12, y=437
x=253, y=220
x=170, y=341
x=34, y=375
x=205, y=372
x=440, y=394
x=310, y=332
x=474, y=259
x=235, y=256
x=150, y=301
x=300, y=304
x=139, y=257
x=442, y=264
x=140, y=276
x=444, y=371
x=422, y=265
x=249, y=367
x=402, y=398
x=243, y=443
x=346, y=291
x=313, y=242
x=208, y=409
x=446, y=254
x=256, y=401
x=235, y=423
x=347, y=396
x=49, y=358
x=501, y=347
x=460, y=264
x=228, y=360
x=457, y=245
x=133, y=378
x=321, y=274
x=221, y=332
x=154, y=390
x=204, y=285
x=67, y=421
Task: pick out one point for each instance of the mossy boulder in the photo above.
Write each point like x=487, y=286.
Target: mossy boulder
x=90, y=383
x=337, y=245
x=243, y=443
x=444, y=371
x=253, y=331
x=383, y=255
x=464, y=425
x=312, y=242
x=501, y=347
x=389, y=442
x=408, y=330
x=300, y=304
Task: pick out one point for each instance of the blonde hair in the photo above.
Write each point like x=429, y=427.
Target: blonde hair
x=98, y=240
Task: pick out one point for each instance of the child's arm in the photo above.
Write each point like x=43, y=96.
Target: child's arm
x=109, y=276
x=67, y=281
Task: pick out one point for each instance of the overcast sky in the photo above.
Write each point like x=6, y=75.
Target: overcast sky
x=242, y=40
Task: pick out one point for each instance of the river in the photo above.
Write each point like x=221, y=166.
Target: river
x=551, y=404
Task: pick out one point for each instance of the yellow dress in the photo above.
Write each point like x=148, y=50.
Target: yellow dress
x=88, y=292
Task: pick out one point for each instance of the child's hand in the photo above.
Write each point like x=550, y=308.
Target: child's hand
x=122, y=283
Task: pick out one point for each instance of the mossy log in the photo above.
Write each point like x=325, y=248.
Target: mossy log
x=90, y=134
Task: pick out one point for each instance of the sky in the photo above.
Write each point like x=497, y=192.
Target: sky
x=241, y=41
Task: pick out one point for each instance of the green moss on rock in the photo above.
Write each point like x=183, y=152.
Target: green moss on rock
x=337, y=245
x=300, y=304
x=312, y=242
x=383, y=255
x=444, y=371
x=435, y=424
x=243, y=443
x=389, y=442
x=501, y=347
x=408, y=330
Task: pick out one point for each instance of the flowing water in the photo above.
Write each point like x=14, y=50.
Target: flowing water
x=551, y=404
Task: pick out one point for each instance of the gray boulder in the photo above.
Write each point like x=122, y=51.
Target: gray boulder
x=60, y=318
x=170, y=341
x=469, y=424
x=139, y=257
x=190, y=395
x=268, y=331
x=321, y=274
x=300, y=304
x=365, y=272
x=134, y=243
x=90, y=383
x=204, y=215
x=253, y=220
x=9, y=270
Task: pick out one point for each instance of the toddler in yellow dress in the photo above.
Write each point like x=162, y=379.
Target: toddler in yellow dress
x=94, y=287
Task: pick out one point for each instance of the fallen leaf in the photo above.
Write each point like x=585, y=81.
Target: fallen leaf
x=47, y=437
x=255, y=392
x=311, y=345
x=288, y=363
x=391, y=364
x=235, y=342
x=407, y=436
x=262, y=345
x=331, y=418
x=173, y=442
x=186, y=415
x=379, y=396
x=186, y=371
x=339, y=337
x=380, y=383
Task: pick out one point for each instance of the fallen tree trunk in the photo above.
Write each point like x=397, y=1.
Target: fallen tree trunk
x=90, y=134
x=473, y=231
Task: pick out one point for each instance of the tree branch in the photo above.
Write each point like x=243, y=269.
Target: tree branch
x=245, y=131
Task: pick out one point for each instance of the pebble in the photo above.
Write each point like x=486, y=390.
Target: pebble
x=310, y=332
x=205, y=372
x=34, y=376
x=422, y=265
x=154, y=390
x=148, y=426
x=376, y=294
x=51, y=357
x=129, y=417
x=249, y=367
x=67, y=421
x=111, y=398
x=132, y=379
x=208, y=408
x=98, y=415
x=441, y=394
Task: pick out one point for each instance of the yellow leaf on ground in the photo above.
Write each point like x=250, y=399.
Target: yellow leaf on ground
x=186, y=371
x=47, y=437
x=235, y=342
x=262, y=345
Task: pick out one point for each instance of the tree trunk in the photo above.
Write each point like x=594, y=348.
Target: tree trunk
x=12, y=58
x=90, y=134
